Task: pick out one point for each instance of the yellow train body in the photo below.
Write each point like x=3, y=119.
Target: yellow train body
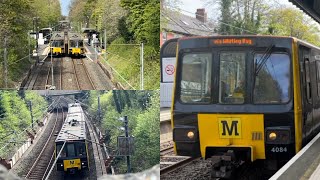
x=232, y=130
x=72, y=164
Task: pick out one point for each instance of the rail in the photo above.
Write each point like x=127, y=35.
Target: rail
x=37, y=170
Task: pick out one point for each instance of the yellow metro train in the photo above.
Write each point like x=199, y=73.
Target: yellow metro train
x=244, y=98
x=74, y=156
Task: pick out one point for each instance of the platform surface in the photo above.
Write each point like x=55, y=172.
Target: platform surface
x=304, y=165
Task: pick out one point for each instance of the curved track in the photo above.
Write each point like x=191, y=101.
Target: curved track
x=41, y=165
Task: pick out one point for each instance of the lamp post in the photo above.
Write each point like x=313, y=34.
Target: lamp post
x=35, y=28
x=52, y=85
x=30, y=108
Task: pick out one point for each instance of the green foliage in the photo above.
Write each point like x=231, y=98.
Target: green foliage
x=126, y=60
x=240, y=16
x=146, y=134
x=257, y=17
x=16, y=20
x=142, y=109
x=125, y=22
x=16, y=118
x=143, y=20
x=291, y=22
x=39, y=104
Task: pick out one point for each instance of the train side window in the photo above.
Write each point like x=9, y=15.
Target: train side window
x=307, y=78
x=318, y=77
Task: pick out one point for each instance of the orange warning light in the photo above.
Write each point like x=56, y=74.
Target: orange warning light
x=233, y=41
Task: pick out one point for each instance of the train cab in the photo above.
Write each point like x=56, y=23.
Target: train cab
x=57, y=44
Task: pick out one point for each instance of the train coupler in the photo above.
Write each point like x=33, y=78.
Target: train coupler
x=223, y=166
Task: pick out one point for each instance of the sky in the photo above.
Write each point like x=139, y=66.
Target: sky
x=193, y=5
x=65, y=7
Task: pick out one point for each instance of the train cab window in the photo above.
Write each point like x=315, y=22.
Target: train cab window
x=272, y=82
x=63, y=153
x=232, y=78
x=81, y=149
x=71, y=151
x=195, y=86
x=57, y=43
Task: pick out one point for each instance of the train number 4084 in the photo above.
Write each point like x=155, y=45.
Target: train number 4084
x=279, y=149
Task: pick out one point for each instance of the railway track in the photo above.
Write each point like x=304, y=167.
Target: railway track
x=37, y=81
x=171, y=163
x=97, y=151
x=57, y=63
x=82, y=76
x=40, y=167
x=166, y=151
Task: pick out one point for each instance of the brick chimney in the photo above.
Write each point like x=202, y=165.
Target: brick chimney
x=201, y=15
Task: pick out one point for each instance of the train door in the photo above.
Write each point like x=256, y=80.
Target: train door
x=316, y=79
x=306, y=91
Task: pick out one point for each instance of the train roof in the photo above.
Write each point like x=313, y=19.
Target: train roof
x=75, y=36
x=57, y=36
x=73, y=128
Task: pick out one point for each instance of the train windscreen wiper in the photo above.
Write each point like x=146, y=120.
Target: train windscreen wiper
x=259, y=64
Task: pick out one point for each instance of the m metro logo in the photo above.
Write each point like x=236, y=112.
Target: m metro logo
x=71, y=162
x=229, y=127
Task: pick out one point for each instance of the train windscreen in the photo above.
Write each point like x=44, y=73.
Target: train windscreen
x=267, y=80
x=196, y=78
x=272, y=82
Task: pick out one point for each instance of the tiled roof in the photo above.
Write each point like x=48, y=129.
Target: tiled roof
x=183, y=24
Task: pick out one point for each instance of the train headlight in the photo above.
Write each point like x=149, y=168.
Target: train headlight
x=272, y=136
x=82, y=163
x=185, y=134
x=61, y=165
x=278, y=135
x=190, y=134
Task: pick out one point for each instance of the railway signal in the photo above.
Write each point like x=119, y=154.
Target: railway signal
x=125, y=144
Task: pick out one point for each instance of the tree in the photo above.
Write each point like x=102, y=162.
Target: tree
x=147, y=139
x=291, y=22
x=16, y=20
x=143, y=20
x=142, y=109
x=240, y=16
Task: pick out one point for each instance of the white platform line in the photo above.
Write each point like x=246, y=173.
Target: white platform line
x=292, y=160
